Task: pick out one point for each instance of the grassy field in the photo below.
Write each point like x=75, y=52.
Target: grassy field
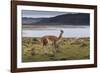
x=69, y=49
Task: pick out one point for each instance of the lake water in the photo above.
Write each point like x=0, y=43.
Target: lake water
x=68, y=32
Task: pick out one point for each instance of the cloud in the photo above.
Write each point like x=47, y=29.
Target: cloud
x=41, y=14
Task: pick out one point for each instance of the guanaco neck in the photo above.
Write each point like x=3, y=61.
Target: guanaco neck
x=60, y=36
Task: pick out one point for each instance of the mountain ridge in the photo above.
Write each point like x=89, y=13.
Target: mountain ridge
x=65, y=19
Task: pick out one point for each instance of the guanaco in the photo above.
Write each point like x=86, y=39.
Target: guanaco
x=50, y=39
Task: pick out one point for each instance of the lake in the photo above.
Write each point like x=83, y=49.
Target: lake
x=83, y=31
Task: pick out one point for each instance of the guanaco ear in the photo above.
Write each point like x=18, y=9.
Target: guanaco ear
x=62, y=31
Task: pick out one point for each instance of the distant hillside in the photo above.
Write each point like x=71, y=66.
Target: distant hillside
x=27, y=20
x=65, y=19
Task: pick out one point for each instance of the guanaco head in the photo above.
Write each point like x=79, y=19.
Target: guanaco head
x=62, y=31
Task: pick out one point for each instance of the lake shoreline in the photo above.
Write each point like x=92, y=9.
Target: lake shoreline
x=40, y=27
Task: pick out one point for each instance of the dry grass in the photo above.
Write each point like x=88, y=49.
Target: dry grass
x=69, y=49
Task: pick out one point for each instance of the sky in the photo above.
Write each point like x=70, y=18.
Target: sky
x=41, y=14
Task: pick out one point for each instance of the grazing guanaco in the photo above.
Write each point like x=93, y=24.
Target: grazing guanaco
x=50, y=39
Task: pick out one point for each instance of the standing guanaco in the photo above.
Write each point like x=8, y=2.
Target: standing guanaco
x=50, y=39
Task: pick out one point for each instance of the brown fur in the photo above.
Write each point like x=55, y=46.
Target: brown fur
x=50, y=39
